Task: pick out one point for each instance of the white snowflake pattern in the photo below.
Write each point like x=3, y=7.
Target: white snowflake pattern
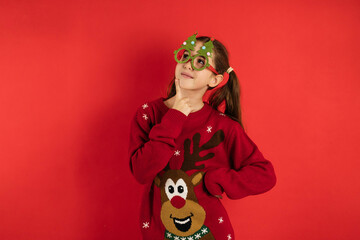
x=209, y=129
x=183, y=238
x=177, y=153
x=190, y=238
x=229, y=237
x=197, y=236
x=176, y=238
x=145, y=106
x=145, y=116
x=204, y=231
x=169, y=235
x=221, y=220
x=146, y=225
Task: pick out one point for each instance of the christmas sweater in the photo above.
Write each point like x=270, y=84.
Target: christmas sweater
x=183, y=162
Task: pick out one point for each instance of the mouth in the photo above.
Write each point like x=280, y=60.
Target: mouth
x=183, y=224
x=185, y=75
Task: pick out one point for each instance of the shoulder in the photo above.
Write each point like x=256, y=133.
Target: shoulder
x=224, y=120
x=149, y=105
x=148, y=109
x=232, y=128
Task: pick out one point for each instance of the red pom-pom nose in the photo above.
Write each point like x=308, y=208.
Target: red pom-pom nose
x=177, y=202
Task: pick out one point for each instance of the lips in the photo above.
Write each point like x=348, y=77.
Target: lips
x=186, y=75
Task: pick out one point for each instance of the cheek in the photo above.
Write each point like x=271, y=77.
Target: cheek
x=177, y=69
x=180, y=65
x=204, y=76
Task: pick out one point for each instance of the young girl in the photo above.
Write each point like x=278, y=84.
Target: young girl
x=190, y=148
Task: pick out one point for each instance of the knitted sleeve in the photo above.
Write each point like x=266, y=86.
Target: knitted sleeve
x=250, y=173
x=151, y=146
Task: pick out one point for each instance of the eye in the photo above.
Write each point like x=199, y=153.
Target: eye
x=201, y=61
x=185, y=56
x=170, y=188
x=182, y=189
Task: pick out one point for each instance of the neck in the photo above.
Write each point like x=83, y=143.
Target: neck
x=197, y=103
x=195, y=99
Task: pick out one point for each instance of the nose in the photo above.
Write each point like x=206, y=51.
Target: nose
x=177, y=202
x=188, y=65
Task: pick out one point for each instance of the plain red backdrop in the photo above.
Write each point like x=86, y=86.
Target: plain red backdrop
x=73, y=73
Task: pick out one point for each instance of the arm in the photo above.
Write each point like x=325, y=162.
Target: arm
x=250, y=174
x=150, y=149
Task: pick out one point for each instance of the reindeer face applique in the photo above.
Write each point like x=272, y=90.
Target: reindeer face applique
x=181, y=213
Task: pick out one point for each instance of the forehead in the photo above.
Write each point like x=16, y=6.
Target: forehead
x=197, y=47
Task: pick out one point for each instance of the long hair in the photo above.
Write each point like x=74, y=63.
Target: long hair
x=229, y=92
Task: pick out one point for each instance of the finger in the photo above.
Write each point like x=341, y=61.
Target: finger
x=178, y=90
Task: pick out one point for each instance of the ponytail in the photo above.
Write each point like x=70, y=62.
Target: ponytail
x=230, y=92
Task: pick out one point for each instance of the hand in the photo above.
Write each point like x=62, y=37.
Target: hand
x=181, y=103
x=211, y=183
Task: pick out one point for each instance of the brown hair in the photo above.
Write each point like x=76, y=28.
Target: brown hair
x=229, y=92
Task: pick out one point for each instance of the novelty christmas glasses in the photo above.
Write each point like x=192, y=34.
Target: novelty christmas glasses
x=200, y=60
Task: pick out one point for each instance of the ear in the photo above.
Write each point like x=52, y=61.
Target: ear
x=157, y=181
x=196, y=178
x=216, y=80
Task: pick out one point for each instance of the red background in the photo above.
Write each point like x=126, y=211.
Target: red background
x=73, y=73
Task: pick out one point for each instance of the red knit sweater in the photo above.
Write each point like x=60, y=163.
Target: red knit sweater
x=184, y=161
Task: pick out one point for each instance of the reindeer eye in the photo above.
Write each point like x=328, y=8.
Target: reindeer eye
x=170, y=188
x=182, y=188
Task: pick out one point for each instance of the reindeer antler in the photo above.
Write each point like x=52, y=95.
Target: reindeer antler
x=191, y=159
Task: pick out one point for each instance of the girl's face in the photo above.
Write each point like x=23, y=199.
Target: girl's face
x=192, y=79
